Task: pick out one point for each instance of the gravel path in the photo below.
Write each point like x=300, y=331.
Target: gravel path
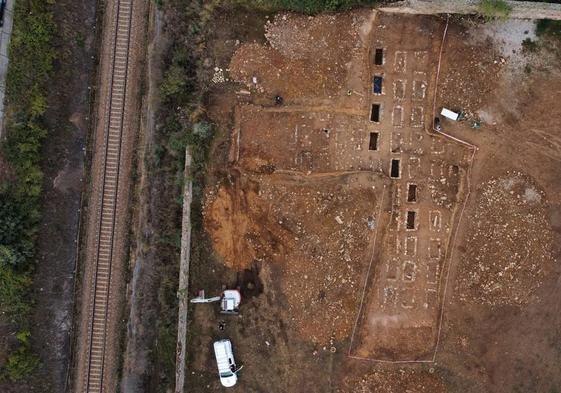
x=520, y=9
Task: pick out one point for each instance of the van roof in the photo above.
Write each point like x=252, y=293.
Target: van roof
x=224, y=355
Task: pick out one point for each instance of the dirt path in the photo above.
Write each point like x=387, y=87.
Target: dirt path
x=144, y=264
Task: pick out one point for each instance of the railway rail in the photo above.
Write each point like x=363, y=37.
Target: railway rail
x=105, y=236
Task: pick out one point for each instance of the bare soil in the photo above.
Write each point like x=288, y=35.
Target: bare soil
x=299, y=208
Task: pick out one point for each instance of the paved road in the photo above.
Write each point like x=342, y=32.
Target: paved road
x=5, y=34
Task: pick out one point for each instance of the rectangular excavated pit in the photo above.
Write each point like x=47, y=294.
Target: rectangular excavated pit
x=377, y=85
x=375, y=113
x=399, y=89
x=373, y=143
x=411, y=193
x=411, y=217
x=397, y=116
x=379, y=56
x=395, y=169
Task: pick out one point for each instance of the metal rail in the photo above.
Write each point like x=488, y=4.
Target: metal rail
x=97, y=328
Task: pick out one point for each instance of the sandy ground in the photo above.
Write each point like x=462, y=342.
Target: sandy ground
x=310, y=223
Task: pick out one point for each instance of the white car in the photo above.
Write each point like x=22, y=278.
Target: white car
x=225, y=362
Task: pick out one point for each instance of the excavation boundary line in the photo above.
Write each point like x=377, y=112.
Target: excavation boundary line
x=366, y=279
x=105, y=234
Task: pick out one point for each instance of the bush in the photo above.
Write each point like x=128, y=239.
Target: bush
x=22, y=149
x=31, y=54
x=317, y=6
x=22, y=362
x=529, y=46
x=493, y=9
x=174, y=81
x=13, y=292
x=309, y=7
x=549, y=28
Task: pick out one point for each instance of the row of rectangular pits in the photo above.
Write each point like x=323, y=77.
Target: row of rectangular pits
x=417, y=92
x=416, y=119
x=410, y=220
x=400, y=59
x=409, y=270
x=438, y=170
x=408, y=298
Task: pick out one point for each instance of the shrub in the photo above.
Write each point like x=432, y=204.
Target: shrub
x=310, y=7
x=174, y=81
x=529, y=46
x=31, y=53
x=22, y=362
x=549, y=28
x=13, y=292
x=493, y=9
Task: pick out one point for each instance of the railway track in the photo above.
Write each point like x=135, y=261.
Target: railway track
x=105, y=236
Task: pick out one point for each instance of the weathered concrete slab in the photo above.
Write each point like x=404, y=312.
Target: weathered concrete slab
x=520, y=9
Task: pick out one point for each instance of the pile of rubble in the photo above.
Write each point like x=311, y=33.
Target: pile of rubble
x=396, y=381
x=305, y=56
x=509, y=246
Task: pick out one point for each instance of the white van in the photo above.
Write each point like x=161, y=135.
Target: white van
x=225, y=362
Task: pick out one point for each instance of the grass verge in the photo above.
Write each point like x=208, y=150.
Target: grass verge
x=31, y=65
x=494, y=9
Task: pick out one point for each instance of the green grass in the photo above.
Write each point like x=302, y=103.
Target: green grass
x=494, y=9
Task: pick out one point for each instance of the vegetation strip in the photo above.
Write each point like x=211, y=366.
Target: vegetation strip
x=32, y=55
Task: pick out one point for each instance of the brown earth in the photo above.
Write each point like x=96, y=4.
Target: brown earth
x=292, y=220
x=396, y=381
x=509, y=248
x=268, y=209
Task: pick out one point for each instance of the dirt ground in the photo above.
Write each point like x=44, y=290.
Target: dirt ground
x=445, y=258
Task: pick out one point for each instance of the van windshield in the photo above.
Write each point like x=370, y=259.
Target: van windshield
x=227, y=374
